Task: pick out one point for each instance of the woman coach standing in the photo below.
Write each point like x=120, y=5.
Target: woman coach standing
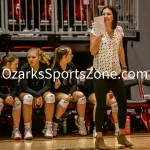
x=108, y=52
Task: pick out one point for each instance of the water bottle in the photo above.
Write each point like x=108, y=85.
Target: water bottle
x=127, y=127
x=64, y=125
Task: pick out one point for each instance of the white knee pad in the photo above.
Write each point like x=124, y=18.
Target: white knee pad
x=114, y=107
x=81, y=100
x=95, y=105
x=17, y=105
x=63, y=103
x=49, y=98
x=28, y=99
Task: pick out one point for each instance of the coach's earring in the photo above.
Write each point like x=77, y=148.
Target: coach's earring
x=123, y=141
x=99, y=144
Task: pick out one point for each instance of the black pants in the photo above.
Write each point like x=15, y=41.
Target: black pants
x=101, y=87
x=61, y=12
x=28, y=14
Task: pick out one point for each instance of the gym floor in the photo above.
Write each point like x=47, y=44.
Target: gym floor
x=140, y=142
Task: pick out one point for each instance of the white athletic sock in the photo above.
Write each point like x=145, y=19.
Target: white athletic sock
x=117, y=126
x=27, y=125
x=81, y=119
x=48, y=123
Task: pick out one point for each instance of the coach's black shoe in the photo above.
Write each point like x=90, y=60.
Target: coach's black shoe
x=123, y=141
x=99, y=144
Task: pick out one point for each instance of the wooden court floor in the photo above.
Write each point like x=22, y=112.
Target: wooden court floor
x=140, y=142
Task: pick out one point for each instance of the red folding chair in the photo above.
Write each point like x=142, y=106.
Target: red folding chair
x=145, y=81
x=140, y=103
